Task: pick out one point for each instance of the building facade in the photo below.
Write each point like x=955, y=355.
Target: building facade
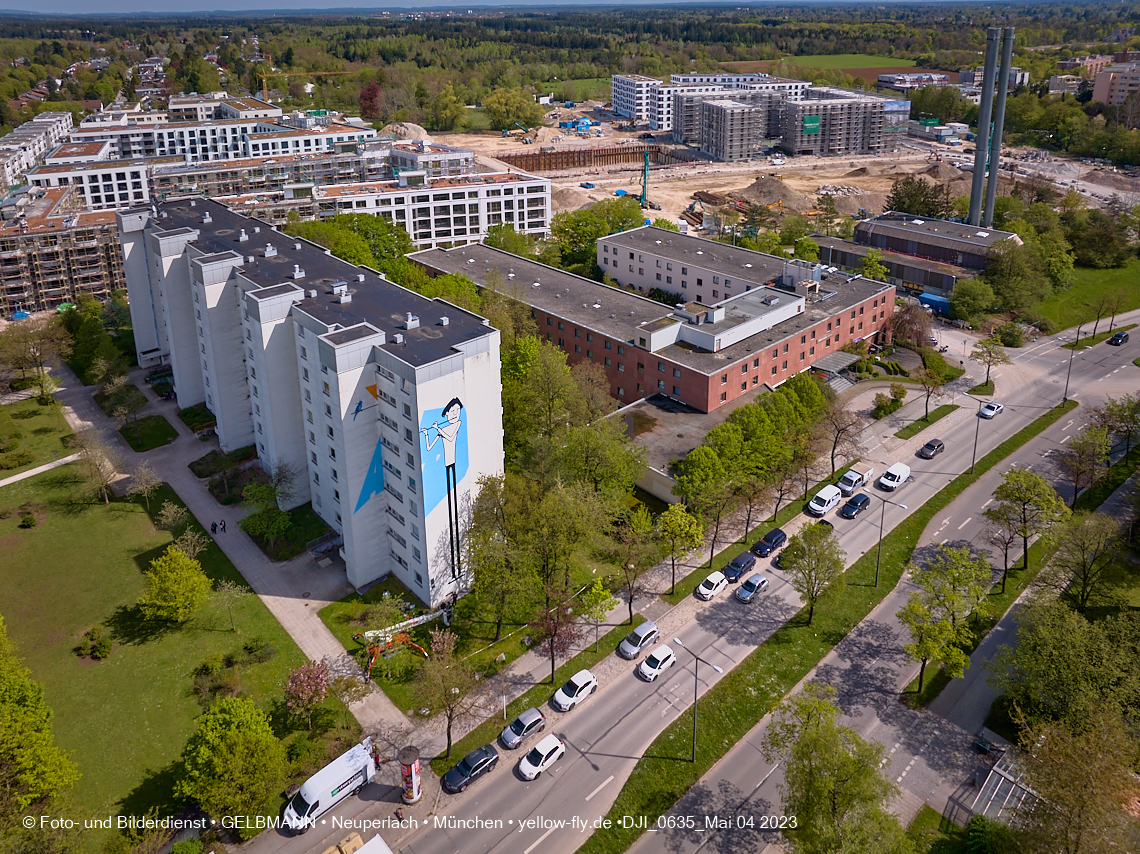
x=946, y=242
x=633, y=96
x=27, y=143
x=732, y=131
x=388, y=404
x=1116, y=82
x=830, y=121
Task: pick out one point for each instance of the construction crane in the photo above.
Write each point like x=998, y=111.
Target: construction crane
x=269, y=64
x=643, y=199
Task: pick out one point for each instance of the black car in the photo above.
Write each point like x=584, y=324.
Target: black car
x=769, y=543
x=855, y=506
x=474, y=765
x=932, y=449
x=1118, y=339
x=739, y=565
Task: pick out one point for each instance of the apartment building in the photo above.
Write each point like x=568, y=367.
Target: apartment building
x=702, y=355
x=1065, y=84
x=732, y=131
x=51, y=254
x=633, y=96
x=682, y=115
x=432, y=158
x=955, y=243
x=27, y=143
x=688, y=105
x=910, y=82
x=661, y=104
x=972, y=78
x=103, y=184
x=1116, y=82
x=389, y=403
x=1086, y=66
x=830, y=121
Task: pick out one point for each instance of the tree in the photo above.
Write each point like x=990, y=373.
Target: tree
x=603, y=456
x=1003, y=525
x=813, y=561
x=971, y=298
x=842, y=426
x=1083, y=459
x=680, y=532
x=306, y=688
x=232, y=764
x=910, y=323
x=990, y=353
x=503, y=236
x=172, y=517
x=1087, y=546
x=349, y=690
x=506, y=106
x=445, y=682
x=667, y=224
x=229, y=595
x=176, y=587
x=954, y=583
x=145, y=482
x=283, y=478
x=833, y=782
x=595, y=604
x=446, y=109
x=370, y=100
x=633, y=539
x=99, y=461
x=931, y=382
x=807, y=249
x=556, y=628
x=920, y=197
x=267, y=521
x=1083, y=786
x=703, y=482
x=933, y=639
x=32, y=767
x=33, y=344
x=1120, y=418
x=192, y=542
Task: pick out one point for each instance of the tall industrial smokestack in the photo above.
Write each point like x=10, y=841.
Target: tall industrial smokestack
x=999, y=124
x=985, y=110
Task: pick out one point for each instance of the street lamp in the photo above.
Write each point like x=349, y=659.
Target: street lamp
x=696, y=687
x=882, y=520
x=977, y=427
x=1072, y=353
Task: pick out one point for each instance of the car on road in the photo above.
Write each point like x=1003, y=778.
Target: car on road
x=523, y=727
x=1118, y=339
x=577, y=688
x=478, y=763
x=640, y=639
x=711, y=586
x=824, y=500
x=855, y=506
x=751, y=588
x=541, y=756
x=739, y=565
x=656, y=663
x=991, y=409
x=932, y=449
x=769, y=543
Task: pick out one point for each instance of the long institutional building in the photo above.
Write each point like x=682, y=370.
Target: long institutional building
x=388, y=402
x=748, y=319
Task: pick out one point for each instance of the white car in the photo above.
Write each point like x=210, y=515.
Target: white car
x=991, y=409
x=541, y=756
x=579, y=686
x=656, y=663
x=711, y=586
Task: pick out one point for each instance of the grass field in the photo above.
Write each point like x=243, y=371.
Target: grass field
x=932, y=834
x=1071, y=307
x=124, y=719
x=1091, y=340
x=920, y=424
x=42, y=430
x=984, y=389
x=148, y=433
x=850, y=60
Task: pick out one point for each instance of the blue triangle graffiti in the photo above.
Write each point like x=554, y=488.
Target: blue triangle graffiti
x=373, y=478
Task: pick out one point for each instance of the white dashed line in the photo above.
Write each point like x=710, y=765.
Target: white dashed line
x=540, y=840
x=988, y=502
x=964, y=524
x=607, y=781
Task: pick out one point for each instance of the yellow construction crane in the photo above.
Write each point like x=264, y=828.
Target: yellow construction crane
x=269, y=64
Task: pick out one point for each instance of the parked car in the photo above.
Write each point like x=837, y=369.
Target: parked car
x=478, y=763
x=523, y=727
x=855, y=506
x=752, y=587
x=640, y=639
x=541, y=756
x=932, y=449
x=1118, y=339
x=657, y=662
x=824, y=500
x=711, y=586
x=739, y=565
x=991, y=409
x=579, y=686
x=894, y=477
x=769, y=543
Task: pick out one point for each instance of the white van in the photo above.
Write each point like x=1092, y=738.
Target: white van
x=894, y=476
x=344, y=776
x=824, y=500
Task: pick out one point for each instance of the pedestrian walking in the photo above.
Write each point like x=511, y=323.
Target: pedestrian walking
x=223, y=524
x=214, y=528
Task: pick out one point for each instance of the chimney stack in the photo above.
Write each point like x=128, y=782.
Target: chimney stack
x=999, y=122
x=985, y=113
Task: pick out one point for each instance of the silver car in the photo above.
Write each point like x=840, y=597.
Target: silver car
x=522, y=728
x=755, y=585
x=640, y=639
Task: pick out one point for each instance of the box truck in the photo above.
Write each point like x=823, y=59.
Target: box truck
x=857, y=476
x=342, y=777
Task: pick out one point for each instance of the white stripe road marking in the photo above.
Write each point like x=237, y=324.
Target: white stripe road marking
x=964, y=524
x=1063, y=441
x=540, y=840
x=602, y=786
x=988, y=502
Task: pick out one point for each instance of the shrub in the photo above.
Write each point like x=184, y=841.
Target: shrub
x=212, y=666
x=16, y=459
x=1010, y=334
x=101, y=649
x=187, y=846
x=94, y=645
x=257, y=651
x=28, y=521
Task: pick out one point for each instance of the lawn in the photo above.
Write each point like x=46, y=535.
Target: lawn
x=932, y=834
x=130, y=395
x=216, y=462
x=986, y=389
x=148, y=433
x=917, y=426
x=1092, y=340
x=759, y=682
x=850, y=60
x=307, y=526
x=124, y=719
x=1068, y=308
x=42, y=430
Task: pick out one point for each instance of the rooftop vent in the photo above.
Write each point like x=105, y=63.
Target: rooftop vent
x=340, y=288
x=297, y=246
x=298, y=273
x=243, y=237
x=206, y=218
x=444, y=321
x=360, y=277
x=257, y=229
x=193, y=203
x=270, y=250
x=249, y=259
x=411, y=321
x=345, y=297
x=983, y=234
x=771, y=300
x=398, y=338
x=312, y=294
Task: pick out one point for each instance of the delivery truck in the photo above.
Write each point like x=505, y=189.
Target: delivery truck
x=856, y=477
x=343, y=777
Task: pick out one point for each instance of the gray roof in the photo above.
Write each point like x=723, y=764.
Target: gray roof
x=375, y=300
x=937, y=232
x=743, y=265
x=914, y=261
x=833, y=363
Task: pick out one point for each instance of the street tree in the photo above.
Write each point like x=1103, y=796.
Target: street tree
x=145, y=482
x=556, y=628
x=991, y=353
x=833, y=782
x=176, y=587
x=1002, y=530
x=931, y=381
x=232, y=763
x=1120, y=418
x=681, y=532
x=306, y=687
x=785, y=482
x=704, y=482
x=813, y=561
x=230, y=594
x=954, y=582
x=595, y=604
x=1082, y=459
x=1031, y=500
x=503, y=576
x=1087, y=546
x=99, y=461
x=552, y=525
x=446, y=683
x=842, y=427
x=933, y=639
x=633, y=538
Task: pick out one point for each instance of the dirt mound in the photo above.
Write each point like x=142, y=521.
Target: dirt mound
x=942, y=172
x=404, y=130
x=868, y=201
x=568, y=199
x=766, y=190
x=857, y=173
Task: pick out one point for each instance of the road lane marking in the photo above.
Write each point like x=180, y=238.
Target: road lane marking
x=540, y=840
x=967, y=522
x=944, y=539
x=1063, y=441
x=602, y=786
x=988, y=501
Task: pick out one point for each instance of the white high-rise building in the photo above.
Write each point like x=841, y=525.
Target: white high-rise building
x=389, y=404
x=633, y=95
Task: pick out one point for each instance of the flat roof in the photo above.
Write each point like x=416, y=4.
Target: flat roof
x=838, y=243
x=376, y=301
x=923, y=228
x=389, y=187
x=745, y=265
x=79, y=149
x=43, y=215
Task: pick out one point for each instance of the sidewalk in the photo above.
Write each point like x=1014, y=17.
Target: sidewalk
x=39, y=469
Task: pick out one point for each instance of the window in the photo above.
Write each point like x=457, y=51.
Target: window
x=723, y=396
x=659, y=277
x=744, y=386
x=254, y=389
x=775, y=353
x=744, y=368
x=328, y=410
x=661, y=384
x=309, y=415
x=676, y=373
x=773, y=370
x=305, y=374
x=304, y=354
x=783, y=366
x=785, y=348
x=860, y=310
x=330, y=429
x=723, y=379
x=336, y=498
x=334, y=477
x=621, y=350
x=607, y=360
x=326, y=385
x=660, y=367
x=803, y=339
x=549, y=322
x=755, y=363
x=312, y=438
x=332, y=453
